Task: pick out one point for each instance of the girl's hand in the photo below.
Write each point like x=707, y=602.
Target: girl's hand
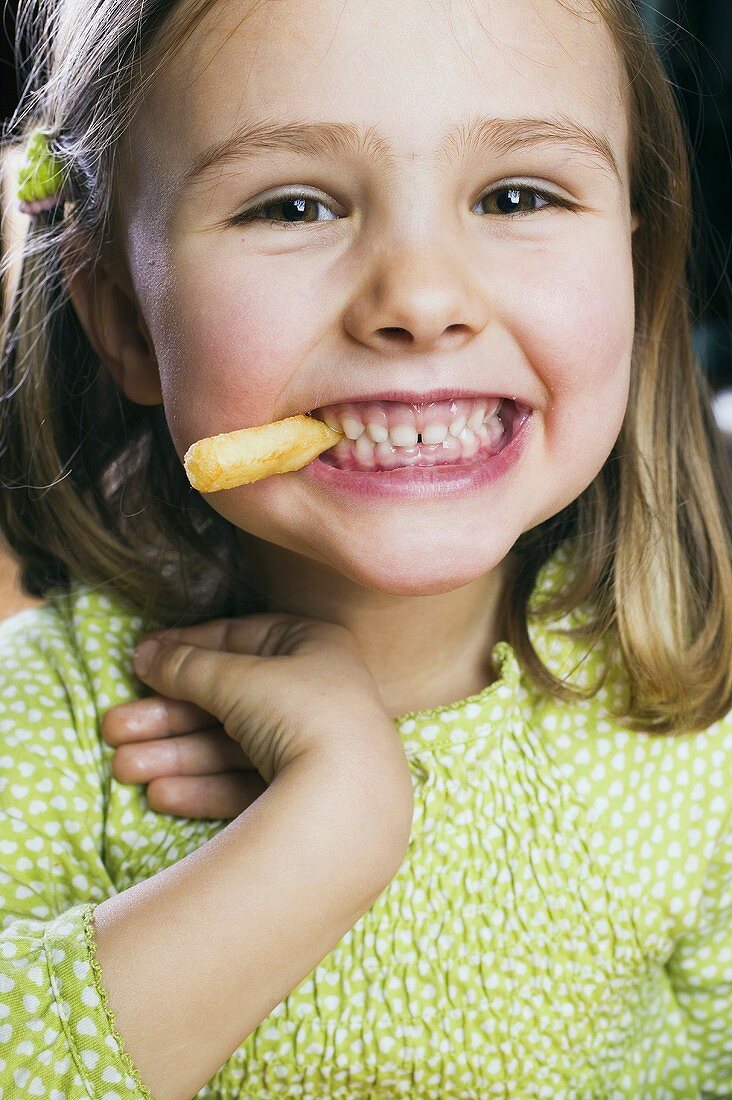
x=190, y=765
x=280, y=686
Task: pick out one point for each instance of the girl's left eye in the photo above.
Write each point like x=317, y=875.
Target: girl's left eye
x=508, y=199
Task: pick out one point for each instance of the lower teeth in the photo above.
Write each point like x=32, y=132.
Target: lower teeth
x=465, y=450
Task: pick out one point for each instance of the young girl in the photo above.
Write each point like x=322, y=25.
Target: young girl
x=424, y=789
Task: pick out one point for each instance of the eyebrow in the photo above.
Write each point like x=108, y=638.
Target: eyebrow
x=331, y=139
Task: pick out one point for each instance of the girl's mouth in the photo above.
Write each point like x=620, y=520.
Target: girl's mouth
x=390, y=435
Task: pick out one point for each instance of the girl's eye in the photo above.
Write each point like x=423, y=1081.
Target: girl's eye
x=290, y=207
x=294, y=206
x=518, y=200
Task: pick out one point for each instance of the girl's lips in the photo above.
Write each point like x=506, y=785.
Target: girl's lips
x=467, y=447
x=425, y=483
x=408, y=397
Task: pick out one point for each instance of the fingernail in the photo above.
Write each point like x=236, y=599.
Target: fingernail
x=143, y=655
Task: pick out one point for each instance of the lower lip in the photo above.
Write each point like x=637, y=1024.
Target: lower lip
x=423, y=482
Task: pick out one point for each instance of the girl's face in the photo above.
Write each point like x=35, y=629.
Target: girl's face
x=404, y=272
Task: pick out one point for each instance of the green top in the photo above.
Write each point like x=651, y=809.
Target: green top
x=561, y=925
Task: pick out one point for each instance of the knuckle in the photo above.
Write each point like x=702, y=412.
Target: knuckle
x=277, y=632
x=291, y=633
x=175, y=661
x=173, y=752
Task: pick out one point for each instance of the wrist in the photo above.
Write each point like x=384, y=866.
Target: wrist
x=370, y=786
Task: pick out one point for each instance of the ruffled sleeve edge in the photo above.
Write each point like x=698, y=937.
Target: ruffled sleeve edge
x=88, y=922
x=68, y=939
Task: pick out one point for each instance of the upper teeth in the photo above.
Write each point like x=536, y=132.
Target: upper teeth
x=404, y=434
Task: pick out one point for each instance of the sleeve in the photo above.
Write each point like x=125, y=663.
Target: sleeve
x=57, y=1036
x=700, y=969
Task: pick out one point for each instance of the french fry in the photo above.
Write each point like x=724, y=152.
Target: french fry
x=240, y=457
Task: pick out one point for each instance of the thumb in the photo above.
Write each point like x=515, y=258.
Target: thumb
x=205, y=664
x=258, y=634
x=189, y=672
x=249, y=707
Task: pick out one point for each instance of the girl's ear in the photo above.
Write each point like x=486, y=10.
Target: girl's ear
x=109, y=313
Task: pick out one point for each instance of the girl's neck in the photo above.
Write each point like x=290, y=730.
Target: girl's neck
x=423, y=651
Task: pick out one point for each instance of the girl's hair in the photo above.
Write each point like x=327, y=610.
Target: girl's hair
x=93, y=490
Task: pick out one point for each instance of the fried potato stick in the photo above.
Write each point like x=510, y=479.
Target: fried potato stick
x=240, y=457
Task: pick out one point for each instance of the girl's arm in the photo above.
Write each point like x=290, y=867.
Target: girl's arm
x=201, y=947
x=194, y=958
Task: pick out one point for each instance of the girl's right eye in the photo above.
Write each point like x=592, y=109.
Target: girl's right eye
x=294, y=203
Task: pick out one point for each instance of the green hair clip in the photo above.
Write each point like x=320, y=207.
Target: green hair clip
x=39, y=177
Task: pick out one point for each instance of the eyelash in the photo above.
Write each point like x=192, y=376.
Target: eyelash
x=252, y=213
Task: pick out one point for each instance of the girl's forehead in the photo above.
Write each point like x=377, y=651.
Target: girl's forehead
x=412, y=70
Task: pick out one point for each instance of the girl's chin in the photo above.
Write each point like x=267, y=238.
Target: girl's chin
x=422, y=574
x=400, y=555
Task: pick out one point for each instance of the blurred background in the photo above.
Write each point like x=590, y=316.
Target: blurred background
x=694, y=40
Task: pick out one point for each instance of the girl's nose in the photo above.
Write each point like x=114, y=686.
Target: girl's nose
x=417, y=299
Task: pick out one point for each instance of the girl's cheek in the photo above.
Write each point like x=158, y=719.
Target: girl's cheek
x=234, y=353
x=578, y=332
x=572, y=340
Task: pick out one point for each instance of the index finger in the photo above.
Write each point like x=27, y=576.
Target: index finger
x=152, y=717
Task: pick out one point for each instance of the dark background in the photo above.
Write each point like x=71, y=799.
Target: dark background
x=694, y=40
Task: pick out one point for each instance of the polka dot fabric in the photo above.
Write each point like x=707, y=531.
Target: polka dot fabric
x=560, y=927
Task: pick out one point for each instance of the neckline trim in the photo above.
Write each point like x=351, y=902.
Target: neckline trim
x=509, y=673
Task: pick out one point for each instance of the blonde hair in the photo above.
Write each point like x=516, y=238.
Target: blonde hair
x=94, y=492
